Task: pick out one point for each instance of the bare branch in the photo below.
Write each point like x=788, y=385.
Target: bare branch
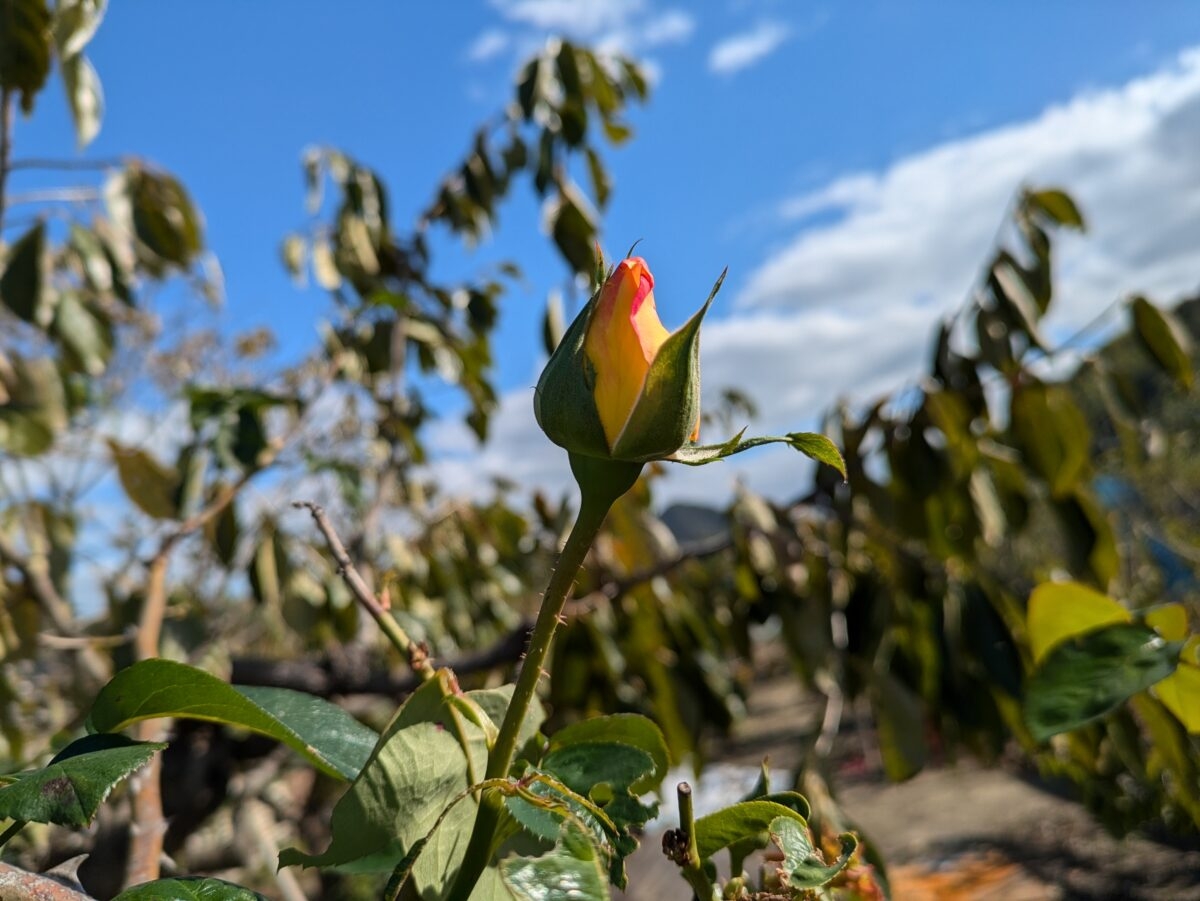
x=17, y=883
x=417, y=654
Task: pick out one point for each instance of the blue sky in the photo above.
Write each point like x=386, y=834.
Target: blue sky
x=849, y=164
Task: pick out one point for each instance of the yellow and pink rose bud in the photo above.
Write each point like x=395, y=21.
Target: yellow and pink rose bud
x=620, y=386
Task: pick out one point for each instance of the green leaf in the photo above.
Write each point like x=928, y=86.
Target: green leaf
x=601, y=183
x=24, y=47
x=148, y=483
x=812, y=445
x=1061, y=610
x=1165, y=339
x=626, y=729
x=1053, y=433
x=900, y=719
x=25, y=284
x=185, y=888
x=163, y=218
x=572, y=871
x=36, y=406
x=75, y=24
x=1088, y=676
x=803, y=867
x=1058, y=206
x=323, y=733
x=739, y=822
x=84, y=95
x=85, y=334
x=70, y=789
x=423, y=761
x=575, y=236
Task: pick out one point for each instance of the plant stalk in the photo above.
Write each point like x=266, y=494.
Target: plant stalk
x=601, y=482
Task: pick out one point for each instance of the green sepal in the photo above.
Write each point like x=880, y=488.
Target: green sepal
x=668, y=409
x=563, y=401
x=811, y=444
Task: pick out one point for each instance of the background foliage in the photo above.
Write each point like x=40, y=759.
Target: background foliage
x=1005, y=533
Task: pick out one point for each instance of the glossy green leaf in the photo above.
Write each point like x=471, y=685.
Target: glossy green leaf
x=426, y=758
x=572, y=871
x=812, y=445
x=323, y=733
x=24, y=47
x=803, y=867
x=626, y=729
x=1165, y=339
x=1088, y=676
x=184, y=888
x=70, y=789
x=25, y=284
x=739, y=822
x=148, y=483
x=1061, y=610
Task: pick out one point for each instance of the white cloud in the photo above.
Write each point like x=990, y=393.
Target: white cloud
x=847, y=305
x=488, y=44
x=740, y=51
x=614, y=26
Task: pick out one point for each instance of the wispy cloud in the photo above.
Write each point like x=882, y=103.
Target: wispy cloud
x=846, y=306
x=488, y=44
x=626, y=26
x=740, y=51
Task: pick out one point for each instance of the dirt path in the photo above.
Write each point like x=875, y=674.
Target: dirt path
x=950, y=834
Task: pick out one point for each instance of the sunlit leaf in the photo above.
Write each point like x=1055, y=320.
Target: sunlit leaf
x=1061, y=610
x=322, y=732
x=70, y=789
x=1088, y=676
x=803, y=867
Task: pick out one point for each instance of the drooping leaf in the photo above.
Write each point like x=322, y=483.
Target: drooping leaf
x=151, y=485
x=1165, y=339
x=85, y=334
x=84, y=95
x=75, y=23
x=25, y=284
x=1053, y=434
x=24, y=47
x=70, y=789
x=803, y=867
x=575, y=235
x=1088, y=676
x=35, y=410
x=183, y=888
x=572, y=871
x=1061, y=610
x=739, y=822
x=900, y=719
x=323, y=733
